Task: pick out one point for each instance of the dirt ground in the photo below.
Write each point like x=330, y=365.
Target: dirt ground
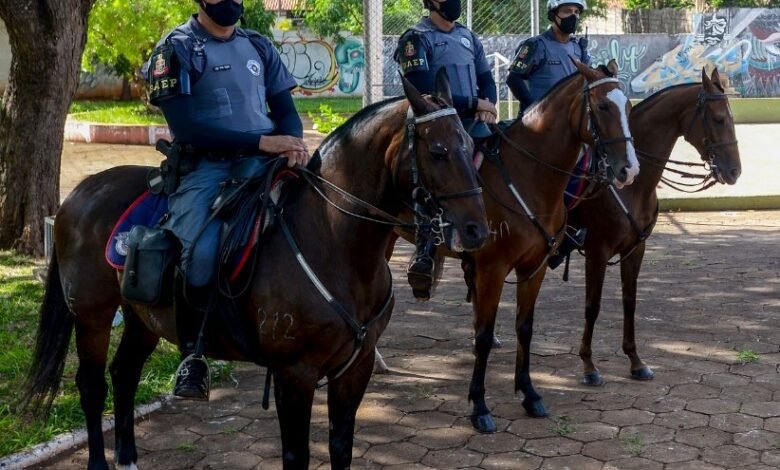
x=709, y=289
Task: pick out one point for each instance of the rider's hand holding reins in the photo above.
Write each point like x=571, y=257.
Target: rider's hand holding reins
x=290, y=147
x=486, y=111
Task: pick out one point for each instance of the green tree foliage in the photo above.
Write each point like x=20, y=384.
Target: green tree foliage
x=658, y=4
x=330, y=18
x=122, y=33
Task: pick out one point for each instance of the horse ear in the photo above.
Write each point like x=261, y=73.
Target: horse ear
x=414, y=96
x=715, y=79
x=443, y=91
x=584, y=69
x=705, y=80
x=612, y=66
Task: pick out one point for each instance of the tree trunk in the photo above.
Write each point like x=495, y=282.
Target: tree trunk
x=47, y=38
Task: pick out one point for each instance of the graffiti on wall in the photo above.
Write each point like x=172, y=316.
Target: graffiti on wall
x=321, y=67
x=742, y=43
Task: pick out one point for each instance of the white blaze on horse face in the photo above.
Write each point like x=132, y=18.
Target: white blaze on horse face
x=620, y=100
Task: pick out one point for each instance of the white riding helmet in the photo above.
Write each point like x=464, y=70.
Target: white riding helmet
x=553, y=4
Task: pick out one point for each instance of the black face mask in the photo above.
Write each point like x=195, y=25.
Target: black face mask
x=569, y=24
x=450, y=10
x=225, y=13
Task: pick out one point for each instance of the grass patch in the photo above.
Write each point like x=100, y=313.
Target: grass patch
x=746, y=355
x=114, y=112
x=135, y=112
x=561, y=426
x=20, y=297
x=634, y=444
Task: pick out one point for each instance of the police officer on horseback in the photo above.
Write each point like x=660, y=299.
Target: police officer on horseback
x=225, y=94
x=439, y=41
x=542, y=61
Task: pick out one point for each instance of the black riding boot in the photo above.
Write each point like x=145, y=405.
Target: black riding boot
x=420, y=271
x=571, y=241
x=192, y=377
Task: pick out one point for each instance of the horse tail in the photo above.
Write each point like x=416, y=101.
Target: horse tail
x=55, y=328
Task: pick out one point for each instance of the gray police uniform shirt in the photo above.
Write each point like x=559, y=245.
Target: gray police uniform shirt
x=424, y=47
x=543, y=61
x=229, y=79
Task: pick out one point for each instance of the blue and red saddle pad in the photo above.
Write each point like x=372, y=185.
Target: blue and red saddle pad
x=148, y=209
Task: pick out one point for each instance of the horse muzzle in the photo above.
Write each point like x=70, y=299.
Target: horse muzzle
x=471, y=237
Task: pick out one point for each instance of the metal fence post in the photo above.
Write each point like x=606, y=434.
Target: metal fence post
x=373, y=43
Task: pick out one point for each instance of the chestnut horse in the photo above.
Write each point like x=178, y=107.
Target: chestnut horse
x=524, y=186
x=619, y=221
x=301, y=333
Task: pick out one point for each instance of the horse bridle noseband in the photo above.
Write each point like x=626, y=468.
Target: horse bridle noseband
x=593, y=128
x=428, y=212
x=709, y=145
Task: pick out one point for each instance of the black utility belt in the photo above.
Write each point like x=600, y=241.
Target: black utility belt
x=213, y=155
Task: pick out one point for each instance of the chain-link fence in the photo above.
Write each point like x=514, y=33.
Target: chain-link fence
x=501, y=25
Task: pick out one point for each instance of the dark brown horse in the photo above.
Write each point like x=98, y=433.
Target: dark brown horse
x=524, y=189
x=285, y=322
x=700, y=113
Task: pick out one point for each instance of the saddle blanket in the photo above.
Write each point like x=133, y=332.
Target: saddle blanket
x=577, y=185
x=148, y=210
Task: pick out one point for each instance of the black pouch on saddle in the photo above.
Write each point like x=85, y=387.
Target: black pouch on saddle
x=151, y=258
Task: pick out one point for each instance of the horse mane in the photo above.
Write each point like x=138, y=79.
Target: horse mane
x=358, y=119
x=559, y=84
x=645, y=102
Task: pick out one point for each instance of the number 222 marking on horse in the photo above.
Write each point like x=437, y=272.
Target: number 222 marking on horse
x=276, y=317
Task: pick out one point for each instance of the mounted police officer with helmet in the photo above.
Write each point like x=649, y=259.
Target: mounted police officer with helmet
x=226, y=97
x=541, y=62
x=439, y=41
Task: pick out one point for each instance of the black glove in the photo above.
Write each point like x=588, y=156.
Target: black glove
x=583, y=42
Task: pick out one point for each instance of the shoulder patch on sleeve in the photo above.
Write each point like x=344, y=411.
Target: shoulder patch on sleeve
x=411, y=54
x=523, y=61
x=164, y=79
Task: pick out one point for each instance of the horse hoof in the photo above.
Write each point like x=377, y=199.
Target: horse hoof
x=643, y=373
x=535, y=409
x=484, y=424
x=592, y=379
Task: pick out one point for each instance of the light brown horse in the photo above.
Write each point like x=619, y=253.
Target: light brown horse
x=700, y=113
x=302, y=326
x=524, y=186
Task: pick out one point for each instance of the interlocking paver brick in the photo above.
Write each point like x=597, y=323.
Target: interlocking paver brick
x=629, y=417
x=647, y=433
x=669, y=452
x=589, y=432
x=443, y=438
x=498, y=442
x=758, y=440
x=735, y=422
x=232, y=460
x=579, y=462
x=765, y=409
x=703, y=437
x=712, y=406
x=395, y=453
x=634, y=463
x=552, y=446
x=453, y=458
x=513, y=460
x=731, y=456
x=681, y=420
x=746, y=393
x=613, y=449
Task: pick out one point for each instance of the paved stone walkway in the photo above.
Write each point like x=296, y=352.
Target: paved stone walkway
x=710, y=288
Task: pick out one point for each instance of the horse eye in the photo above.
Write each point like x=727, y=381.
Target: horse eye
x=438, y=152
x=604, y=106
x=719, y=119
